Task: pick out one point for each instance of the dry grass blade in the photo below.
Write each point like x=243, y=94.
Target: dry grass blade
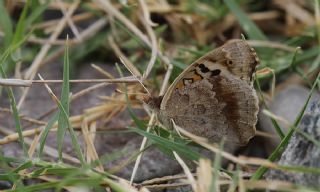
x=28, y=83
x=272, y=185
x=33, y=145
x=296, y=11
x=92, y=154
x=146, y=13
x=53, y=22
x=30, y=73
x=110, y=9
x=127, y=63
x=204, y=175
x=187, y=171
x=142, y=146
x=259, y=43
x=276, y=117
x=144, y=141
x=69, y=20
x=15, y=83
x=153, y=39
x=50, y=151
x=241, y=161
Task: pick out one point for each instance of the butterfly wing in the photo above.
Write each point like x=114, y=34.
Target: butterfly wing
x=214, y=108
x=214, y=97
x=235, y=57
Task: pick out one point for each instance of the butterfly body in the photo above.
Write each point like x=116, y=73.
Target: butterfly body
x=214, y=97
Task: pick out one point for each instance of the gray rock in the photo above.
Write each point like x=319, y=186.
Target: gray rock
x=287, y=104
x=180, y=189
x=5, y=185
x=153, y=163
x=302, y=152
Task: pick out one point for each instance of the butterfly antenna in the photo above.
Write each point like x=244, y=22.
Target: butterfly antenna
x=119, y=91
x=137, y=77
x=145, y=88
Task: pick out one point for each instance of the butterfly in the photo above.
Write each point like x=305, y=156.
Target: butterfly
x=214, y=97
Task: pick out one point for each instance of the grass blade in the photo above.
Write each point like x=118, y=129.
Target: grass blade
x=9, y=91
x=216, y=167
x=6, y=24
x=273, y=121
x=63, y=119
x=36, y=12
x=45, y=133
x=20, y=29
x=180, y=148
x=248, y=26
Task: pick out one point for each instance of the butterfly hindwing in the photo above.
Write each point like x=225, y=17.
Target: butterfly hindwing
x=214, y=96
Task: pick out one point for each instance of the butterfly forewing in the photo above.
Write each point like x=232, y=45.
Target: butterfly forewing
x=214, y=96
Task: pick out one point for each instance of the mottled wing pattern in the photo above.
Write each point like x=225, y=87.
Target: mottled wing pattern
x=214, y=97
x=235, y=57
x=214, y=108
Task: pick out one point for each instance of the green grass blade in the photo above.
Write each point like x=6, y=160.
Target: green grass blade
x=309, y=137
x=273, y=121
x=63, y=119
x=180, y=148
x=21, y=27
x=300, y=169
x=36, y=12
x=280, y=148
x=73, y=136
x=45, y=133
x=248, y=26
x=136, y=120
x=299, y=117
x=16, y=115
x=317, y=15
x=9, y=91
x=315, y=65
x=16, y=38
x=26, y=165
x=6, y=24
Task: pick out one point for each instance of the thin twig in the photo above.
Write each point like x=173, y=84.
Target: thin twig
x=28, y=83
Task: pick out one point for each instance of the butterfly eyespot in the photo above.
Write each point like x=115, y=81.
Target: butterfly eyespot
x=229, y=62
x=203, y=68
x=215, y=72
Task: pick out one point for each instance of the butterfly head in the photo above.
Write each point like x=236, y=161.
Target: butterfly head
x=153, y=102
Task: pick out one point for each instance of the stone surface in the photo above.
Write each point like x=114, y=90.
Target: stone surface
x=301, y=151
x=5, y=185
x=180, y=189
x=287, y=104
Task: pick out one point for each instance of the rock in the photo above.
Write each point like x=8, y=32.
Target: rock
x=287, y=104
x=5, y=185
x=302, y=152
x=153, y=163
x=180, y=189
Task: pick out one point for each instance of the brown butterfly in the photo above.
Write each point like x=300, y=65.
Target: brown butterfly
x=214, y=97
